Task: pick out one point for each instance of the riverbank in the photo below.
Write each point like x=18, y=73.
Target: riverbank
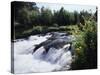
x=20, y=33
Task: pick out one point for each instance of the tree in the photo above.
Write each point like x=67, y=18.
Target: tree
x=76, y=16
x=82, y=19
x=23, y=11
x=46, y=16
x=96, y=14
x=61, y=17
x=72, y=18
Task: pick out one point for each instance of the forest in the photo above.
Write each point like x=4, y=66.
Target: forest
x=29, y=19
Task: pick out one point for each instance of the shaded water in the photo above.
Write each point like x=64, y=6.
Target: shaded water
x=26, y=60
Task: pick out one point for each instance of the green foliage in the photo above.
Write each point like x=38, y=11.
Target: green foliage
x=76, y=17
x=28, y=14
x=22, y=11
x=34, y=15
x=80, y=59
x=46, y=16
x=86, y=47
x=91, y=43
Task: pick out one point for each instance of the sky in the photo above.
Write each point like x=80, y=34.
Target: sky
x=69, y=7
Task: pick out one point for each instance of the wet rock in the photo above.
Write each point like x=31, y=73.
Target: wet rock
x=57, y=40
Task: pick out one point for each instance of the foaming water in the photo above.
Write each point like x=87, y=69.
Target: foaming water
x=39, y=61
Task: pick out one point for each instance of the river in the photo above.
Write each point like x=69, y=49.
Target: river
x=49, y=56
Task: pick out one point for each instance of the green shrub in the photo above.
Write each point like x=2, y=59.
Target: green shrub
x=91, y=43
x=86, y=47
x=80, y=59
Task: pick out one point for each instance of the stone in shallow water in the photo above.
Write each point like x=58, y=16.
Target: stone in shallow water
x=57, y=43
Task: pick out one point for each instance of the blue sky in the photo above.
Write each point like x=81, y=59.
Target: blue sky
x=69, y=7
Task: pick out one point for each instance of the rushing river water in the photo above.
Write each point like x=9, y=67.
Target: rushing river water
x=28, y=58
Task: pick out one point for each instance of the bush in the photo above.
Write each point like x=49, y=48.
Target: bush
x=80, y=60
x=91, y=43
x=86, y=48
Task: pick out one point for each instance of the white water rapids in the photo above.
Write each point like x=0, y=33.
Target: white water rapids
x=26, y=62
